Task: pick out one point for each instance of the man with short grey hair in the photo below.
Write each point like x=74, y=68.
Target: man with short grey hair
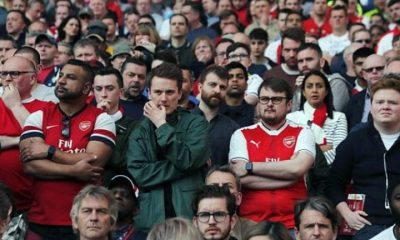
x=94, y=213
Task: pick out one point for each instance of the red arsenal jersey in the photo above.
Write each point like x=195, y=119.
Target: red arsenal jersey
x=10, y=166
x=311, y=27
x=52, y=199
x=263, y=145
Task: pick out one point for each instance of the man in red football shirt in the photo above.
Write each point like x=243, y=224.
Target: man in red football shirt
x=64, y=146
x=18, y=77
x=271, y=157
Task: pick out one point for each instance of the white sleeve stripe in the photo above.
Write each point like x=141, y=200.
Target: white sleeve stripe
x=102, y=136
x=33, y=132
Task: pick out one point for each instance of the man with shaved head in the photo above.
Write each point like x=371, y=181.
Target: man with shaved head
x=392, y=66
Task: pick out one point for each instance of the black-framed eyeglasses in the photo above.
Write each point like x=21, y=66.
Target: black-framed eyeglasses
x=219, y=216
x=13, y=74
x=238, y=56
x=66, y=130
x=274, y=100
x=371, y=69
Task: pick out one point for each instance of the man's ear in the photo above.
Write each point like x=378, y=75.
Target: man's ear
x=194, y=222
x=3, y=226
x=297, y=233
x=234, y=219
x=87, y=87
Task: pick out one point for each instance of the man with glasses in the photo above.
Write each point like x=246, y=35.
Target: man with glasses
x=64, y=147
x=214, y=208
x=272, y=157
x=18, y=76
x=358, y=110
x=224, y=176
x=220, y=58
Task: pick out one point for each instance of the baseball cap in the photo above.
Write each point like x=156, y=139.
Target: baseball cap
x=150, y=47
x=121, y=48
x=45, y=37
x=85, y=11
x=123, y=180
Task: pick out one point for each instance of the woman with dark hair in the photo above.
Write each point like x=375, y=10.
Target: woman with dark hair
x=329, y=126
x=70, y=30
x=267, y=231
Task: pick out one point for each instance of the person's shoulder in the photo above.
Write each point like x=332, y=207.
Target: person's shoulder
x=228, y=122
x=188, y=116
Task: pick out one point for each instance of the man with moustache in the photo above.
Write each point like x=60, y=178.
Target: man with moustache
x=212, y=87
x=292, y=39
x=272, y=157
x=132, y=101
x=167, y=151
x=215, y=212
x=64, y=147
x=235, y=107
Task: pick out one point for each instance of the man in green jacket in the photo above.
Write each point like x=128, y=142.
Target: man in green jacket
x=167, y=151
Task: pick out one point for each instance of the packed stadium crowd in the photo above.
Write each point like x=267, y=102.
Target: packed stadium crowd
x=189, y=119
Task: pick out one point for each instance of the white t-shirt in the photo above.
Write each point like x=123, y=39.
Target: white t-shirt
x=385, y=235
x=334, y=44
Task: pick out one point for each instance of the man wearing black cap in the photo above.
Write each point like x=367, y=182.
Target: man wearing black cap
x=120, y=53
x=85, y=16
x=47, y=48
x=97, y=31
x=124, y=191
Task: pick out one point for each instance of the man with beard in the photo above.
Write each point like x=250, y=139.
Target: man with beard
x=318, y=23
x=64, y=146
x=124, y=192
x=235, y=106
x=292, y=39
x=215, y=212
x=272, y=157
x=134, y=78
x=213, y=85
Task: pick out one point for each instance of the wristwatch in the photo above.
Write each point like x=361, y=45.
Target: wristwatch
x=249, y=167
x=50, y=152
